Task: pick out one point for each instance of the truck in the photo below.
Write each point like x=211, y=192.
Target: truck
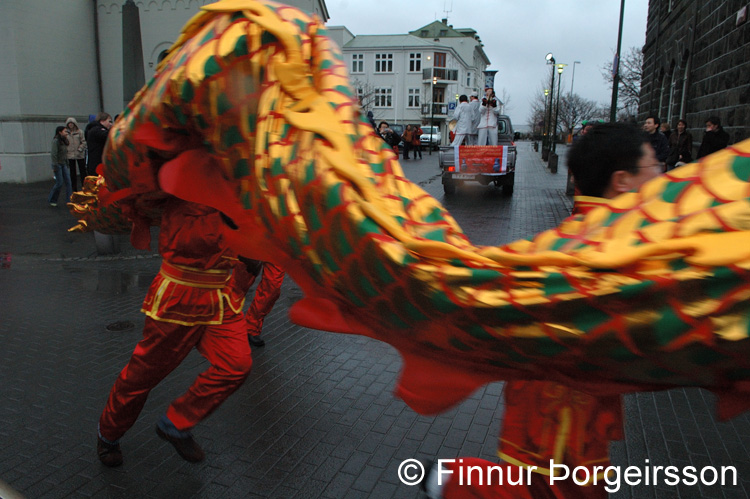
x=484, y=164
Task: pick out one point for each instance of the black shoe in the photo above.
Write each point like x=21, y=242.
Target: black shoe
x=109, y=454
x=255, y=340
x=186, y=447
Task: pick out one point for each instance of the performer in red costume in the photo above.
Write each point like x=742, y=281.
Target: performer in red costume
x=194, y=301
x=266, y=294
x=546, y=421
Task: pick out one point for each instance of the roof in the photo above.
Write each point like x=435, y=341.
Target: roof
x=378, y=41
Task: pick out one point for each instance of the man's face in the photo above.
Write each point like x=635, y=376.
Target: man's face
x=70, y=126
x=649, y=125
x=681, y=127
x=710, y=127
x=648, y=168
x=107, y=123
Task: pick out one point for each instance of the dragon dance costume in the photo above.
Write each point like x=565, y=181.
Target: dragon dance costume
x=194, y=302
x=651, y=291
x=266, y=294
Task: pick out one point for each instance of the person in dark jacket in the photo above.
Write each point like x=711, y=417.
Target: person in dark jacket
x=657, y=139
x=59, y=153
x=390, y=136
x=96, y=137
x=680, y=146
x=715, y=138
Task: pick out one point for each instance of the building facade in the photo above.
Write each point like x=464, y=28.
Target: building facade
x=414, y=78
x=65, y=58
x=696, y=64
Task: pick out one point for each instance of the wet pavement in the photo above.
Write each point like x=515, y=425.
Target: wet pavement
x=316, y=418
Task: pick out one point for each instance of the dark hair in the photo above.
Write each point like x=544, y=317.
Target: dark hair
x=463, y=98
x=715, y=120
x=656, y=119
x=605, y=149
x=684, y=123
x=58, y=131
x=386, y=124
x=102, y=116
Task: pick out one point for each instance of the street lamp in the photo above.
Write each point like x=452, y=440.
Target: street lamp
x=560, y=68
x=546, y=146
x=432, y=120
x=544, y=119
x=572, y=82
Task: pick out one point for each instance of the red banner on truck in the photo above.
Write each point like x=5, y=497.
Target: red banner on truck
x=481, y=159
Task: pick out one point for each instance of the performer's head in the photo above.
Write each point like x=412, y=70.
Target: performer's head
x=612, y=158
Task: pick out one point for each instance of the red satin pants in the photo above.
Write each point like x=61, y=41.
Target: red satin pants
x=266, y=294
x=163, y=347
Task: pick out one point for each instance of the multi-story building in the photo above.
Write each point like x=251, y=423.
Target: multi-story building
x=695, y=64
x=62, y=59
x=415, y=77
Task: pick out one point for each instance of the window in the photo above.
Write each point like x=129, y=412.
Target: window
x=443, y=32
x=424, y=33
x=383, y=97
x=439, y=59
x=415, y=62
x=384, y=63
x=468, y=79
x=358, y=63
x=413, y=100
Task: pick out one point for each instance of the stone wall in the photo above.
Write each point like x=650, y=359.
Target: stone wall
x=696, y=65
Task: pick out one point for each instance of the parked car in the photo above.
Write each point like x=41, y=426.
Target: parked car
x=430, y=137
x=498, y=168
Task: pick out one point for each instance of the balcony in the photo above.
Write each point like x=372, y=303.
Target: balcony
x=440, y=108
x=443, y=74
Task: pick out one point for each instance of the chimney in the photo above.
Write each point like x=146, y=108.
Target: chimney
x=445, y=20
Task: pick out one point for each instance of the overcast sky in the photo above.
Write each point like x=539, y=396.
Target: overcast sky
x=517, y=35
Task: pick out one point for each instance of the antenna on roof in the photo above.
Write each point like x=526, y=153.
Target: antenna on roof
x=446, y=9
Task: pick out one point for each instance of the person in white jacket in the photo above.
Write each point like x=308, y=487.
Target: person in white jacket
x=474, y=105
x=489, y=110
x=463, y=118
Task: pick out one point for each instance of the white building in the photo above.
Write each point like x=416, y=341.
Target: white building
x=414, y=77
x=65, y=58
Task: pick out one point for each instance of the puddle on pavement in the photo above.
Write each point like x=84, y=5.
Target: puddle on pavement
x=110, y=281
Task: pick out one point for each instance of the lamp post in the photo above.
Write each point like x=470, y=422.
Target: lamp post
x=544, y=119
x=432, y=120
x=546, y=146
x=616, y=69
x=560, y=68
x=572, y=82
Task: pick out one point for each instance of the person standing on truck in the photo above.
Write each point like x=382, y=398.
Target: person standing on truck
x=489, y=111
x=474, y=105
x=463, y=118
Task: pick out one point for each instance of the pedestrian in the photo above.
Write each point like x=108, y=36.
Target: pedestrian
x=715, y=138
x=76, y=152
x=474, y=104
x=666, y=129
x=489, y=110
x=96, y=138
x=371, y=119
x=408, y=136
x=545, y=421
x=266, y=295
x=463, y=117
x=658, y=140
x=59, y=153
x=680, y=146
x=416, y=142
x=192, y=303
x=389, y=136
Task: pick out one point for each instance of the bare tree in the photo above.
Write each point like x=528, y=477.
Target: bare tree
x=539, y=104
x=505, y=99
x=631, y=75
x=574, y=109
x=365, y=94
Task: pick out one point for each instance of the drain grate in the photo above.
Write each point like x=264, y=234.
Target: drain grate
x=120, y=326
